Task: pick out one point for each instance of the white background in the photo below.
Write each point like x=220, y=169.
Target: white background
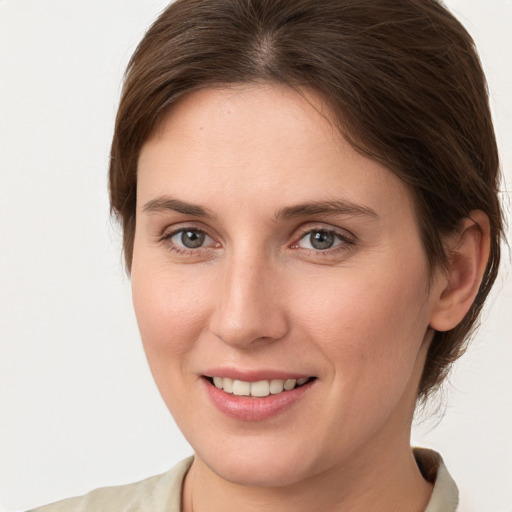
x=78, y=408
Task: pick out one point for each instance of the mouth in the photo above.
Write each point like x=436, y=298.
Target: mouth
x=258, y=389
x=256, y=398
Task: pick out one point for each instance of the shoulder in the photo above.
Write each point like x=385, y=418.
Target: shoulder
x=160, y=492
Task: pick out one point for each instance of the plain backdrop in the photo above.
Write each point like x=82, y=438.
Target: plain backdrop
x=78, y=407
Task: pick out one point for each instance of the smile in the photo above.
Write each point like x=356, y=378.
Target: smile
x=257, y=389
x=256, y=399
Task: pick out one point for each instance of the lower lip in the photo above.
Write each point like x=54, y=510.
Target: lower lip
x=247, y=408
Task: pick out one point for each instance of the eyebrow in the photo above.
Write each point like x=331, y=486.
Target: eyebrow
x=165, y=203
x=330, y=207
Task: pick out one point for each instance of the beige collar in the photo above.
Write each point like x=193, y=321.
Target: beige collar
x=445, y=496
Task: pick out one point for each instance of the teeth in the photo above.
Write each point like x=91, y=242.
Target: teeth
x=289, y=384
x=227, y=385
x=241, y=388
x=276, y=386
x=261, y=388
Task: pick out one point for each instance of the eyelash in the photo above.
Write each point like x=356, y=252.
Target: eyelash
x=346, y=241
x=167, y=237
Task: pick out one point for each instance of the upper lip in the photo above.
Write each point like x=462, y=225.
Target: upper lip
x=254, y=375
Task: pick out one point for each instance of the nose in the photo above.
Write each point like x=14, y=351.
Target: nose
x=250, y=305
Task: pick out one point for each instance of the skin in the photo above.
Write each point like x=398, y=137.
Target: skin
x=257, y=295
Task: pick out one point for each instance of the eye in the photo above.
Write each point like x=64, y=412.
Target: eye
x=321, y=240
x=190, y=239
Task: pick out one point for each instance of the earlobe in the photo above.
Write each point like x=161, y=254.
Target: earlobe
x=468, y=253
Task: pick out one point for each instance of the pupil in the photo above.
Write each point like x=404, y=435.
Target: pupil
x=192, y=239
x=322, y=239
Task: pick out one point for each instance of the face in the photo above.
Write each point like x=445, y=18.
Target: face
x=280, y=286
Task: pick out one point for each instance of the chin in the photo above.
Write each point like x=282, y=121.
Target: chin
x=257, y=474
x=260, y=466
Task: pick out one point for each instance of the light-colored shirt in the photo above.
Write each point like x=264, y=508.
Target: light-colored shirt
x=162, y=493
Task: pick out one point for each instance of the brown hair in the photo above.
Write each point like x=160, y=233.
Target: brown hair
x=401, y=76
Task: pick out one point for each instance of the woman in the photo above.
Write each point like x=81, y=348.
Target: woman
x=308, y=196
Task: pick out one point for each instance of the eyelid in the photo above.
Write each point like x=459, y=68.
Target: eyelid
x=345, y=243
x=345, y=236
x=171, y=231
x=310, y=227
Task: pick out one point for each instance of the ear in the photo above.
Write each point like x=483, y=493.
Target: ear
x=468, y=252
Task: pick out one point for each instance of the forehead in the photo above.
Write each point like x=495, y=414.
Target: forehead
x=247, y=142
x=252, y=115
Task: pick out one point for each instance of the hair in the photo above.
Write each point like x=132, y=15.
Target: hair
x=402, y=78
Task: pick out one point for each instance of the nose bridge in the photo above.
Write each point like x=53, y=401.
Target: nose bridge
x=248, y=306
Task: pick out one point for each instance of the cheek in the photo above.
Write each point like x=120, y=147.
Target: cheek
x=170, y=311
x=170, y=315
x=370, y=326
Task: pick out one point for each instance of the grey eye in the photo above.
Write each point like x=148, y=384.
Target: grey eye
x=322, y=240
x=192, y=239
